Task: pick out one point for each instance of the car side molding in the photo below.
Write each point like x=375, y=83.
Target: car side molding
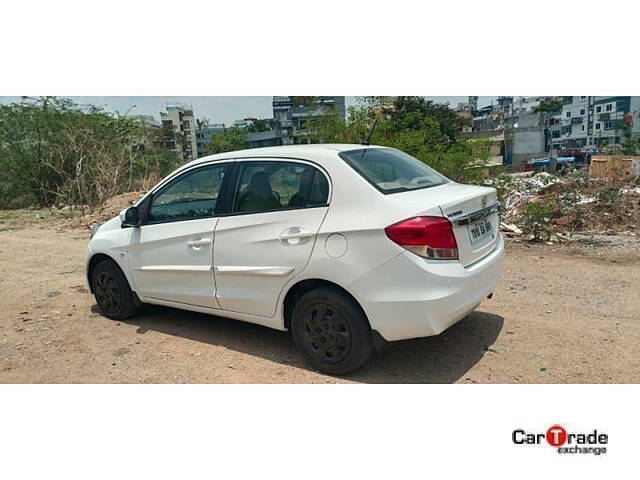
x=257, y=270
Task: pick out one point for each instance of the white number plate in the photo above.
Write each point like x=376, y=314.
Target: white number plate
x=480, y=230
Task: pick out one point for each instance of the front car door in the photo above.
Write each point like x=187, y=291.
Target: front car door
x=267, y=237
x=171, y=254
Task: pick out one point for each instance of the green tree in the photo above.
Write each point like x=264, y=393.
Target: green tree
x=412, y=109
x=29, y=131
x=55, y=151
x=630, y=144
x=549, y=106
x=261, y=125
x=228, y=141
x=414, y=126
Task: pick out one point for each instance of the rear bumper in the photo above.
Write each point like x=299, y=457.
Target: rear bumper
x=409, y=297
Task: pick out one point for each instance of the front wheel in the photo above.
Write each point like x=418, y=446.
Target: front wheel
x=331, y=331
x=113, y=294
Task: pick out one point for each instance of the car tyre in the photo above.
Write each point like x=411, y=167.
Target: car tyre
x=331, y=331
x=111, y=289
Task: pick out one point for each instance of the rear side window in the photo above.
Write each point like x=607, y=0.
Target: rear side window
x=192, y=195
x=269, y=186
x=391, y=171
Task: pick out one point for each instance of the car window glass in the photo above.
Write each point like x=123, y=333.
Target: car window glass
x=268, y=186
x=193, y=195
x=391, y=170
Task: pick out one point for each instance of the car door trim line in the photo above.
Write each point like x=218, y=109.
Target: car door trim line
x=254, y=270
x=175, y=268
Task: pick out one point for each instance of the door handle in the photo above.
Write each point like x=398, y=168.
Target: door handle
x=196, y=244
x=294, y=235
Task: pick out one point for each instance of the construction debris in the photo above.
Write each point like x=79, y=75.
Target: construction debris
x=110, y=209
x=519, y=190
x=566, y=205
x=510, y=228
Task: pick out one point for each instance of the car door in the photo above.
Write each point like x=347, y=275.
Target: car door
x=267, y=237
x=171, y=254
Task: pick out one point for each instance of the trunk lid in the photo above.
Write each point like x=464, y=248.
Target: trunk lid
x=471, y=209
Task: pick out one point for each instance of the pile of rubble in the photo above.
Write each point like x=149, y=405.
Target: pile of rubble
x=581, y=207
x=112, y=207
x=520, y=189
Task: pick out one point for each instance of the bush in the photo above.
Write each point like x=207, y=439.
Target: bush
x=535, y=218
x=54, y=152
x=423, y=129
x=608, y=198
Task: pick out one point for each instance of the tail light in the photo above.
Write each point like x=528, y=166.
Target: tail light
x=429, y=237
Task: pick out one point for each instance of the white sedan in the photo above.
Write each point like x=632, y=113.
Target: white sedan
x=346, y=246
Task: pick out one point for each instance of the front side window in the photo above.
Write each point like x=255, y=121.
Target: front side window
x=391, y=170
x=193, y=195
x=268, y=186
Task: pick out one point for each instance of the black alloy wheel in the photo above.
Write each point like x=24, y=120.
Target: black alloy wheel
x=331, y=330
x=112, y=292
x=108, y=294
x=327, y=336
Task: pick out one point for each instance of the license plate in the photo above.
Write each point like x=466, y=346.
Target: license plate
x=480, y=230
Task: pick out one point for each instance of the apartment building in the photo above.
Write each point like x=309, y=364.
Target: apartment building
x=180, y=121
x=291, y=113
x=204, y=132
x=145, y=122
x=610, y=116
x=149, y=132
x=244, y=123
x=570, y=126
x=590, y=123
x=529, y=104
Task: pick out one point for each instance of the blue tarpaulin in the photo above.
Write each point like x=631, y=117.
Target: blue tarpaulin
x=565, y=159
x=538, y=161
x=545, y=161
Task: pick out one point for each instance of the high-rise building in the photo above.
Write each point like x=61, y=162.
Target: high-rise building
x=283, y=111
x=473, y=104
x=181, y=123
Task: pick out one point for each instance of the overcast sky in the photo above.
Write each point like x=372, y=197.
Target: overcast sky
x=216, y=109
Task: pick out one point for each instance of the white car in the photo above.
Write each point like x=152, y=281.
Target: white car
x=347, y=246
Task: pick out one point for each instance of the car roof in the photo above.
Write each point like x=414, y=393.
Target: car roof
x=284, y=151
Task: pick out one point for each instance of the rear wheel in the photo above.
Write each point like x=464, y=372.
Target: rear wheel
x=331, y=331
x=112, y=292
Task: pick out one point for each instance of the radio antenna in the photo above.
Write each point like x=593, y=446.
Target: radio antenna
x=373, y=127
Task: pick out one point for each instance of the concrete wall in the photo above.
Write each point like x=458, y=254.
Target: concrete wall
x=527, y=143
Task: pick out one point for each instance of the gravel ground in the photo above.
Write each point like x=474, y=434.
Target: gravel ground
x=561, y=314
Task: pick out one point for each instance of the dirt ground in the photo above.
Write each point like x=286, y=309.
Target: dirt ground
x=561, y=314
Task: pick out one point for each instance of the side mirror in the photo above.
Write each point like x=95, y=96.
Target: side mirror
x=130, y=217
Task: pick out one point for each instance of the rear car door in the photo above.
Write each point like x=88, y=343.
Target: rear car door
x=171, y=254
x=267, y=237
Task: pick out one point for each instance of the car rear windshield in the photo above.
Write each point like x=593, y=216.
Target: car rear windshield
x=392, y=171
